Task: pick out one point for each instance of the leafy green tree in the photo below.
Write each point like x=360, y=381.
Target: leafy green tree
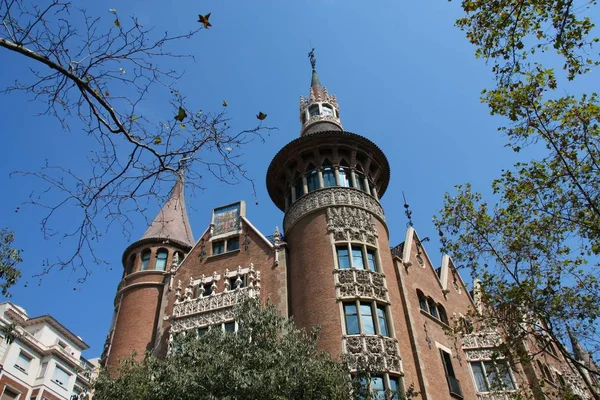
x=267, y=358
x=535, y=243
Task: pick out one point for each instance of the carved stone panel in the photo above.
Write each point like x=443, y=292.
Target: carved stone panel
x=335, y=196
x=378, y=352
x=356, y=223
x=358, y=283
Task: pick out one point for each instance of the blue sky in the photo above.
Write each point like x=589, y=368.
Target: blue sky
x=404, y=76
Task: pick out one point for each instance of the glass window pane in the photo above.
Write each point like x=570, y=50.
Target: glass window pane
x=351, y=319
x=492, y=376
x=377, y=388
x=504, y=372
x=229, y=326
x=381, y=318
x=60, y=376
x=371, y=260
x=312, y=180
x=328, y=177
x=345, y=177
x=422, y=302
x=218, y=247
x=343, y=258
x=145, y=260
x=360, y=181
x=23, y=362
x=161, y=260
x=357, y=258
x=233, y=244
x=395, y=388
x=479, y=376
x=313, y=110
x=366, y=319
x=432, y=308
x=299, y=188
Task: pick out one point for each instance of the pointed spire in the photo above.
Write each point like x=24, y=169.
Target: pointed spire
x=580, y=354
x=172, y=220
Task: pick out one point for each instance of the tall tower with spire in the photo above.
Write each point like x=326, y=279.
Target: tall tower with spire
x=328, y=182
x=139, y=302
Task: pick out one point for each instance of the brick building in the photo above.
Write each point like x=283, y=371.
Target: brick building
x=332, y=266
x=42, y=360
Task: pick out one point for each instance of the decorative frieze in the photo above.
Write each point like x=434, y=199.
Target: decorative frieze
x=359, y=283
x=213, y=302
x=334, y=196
x=376, y=352
x=493, y=396
x=351, y=223
x=481, y=354
x=481, y=339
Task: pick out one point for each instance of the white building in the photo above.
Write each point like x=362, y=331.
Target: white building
x=40, y=359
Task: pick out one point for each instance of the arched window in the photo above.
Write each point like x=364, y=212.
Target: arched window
x=422, y=301
x=328, y=175
x=360, y=181
x=442, y=311
x=299, y=188
x=313, y=110
x=312, y=180
x=161, y=260
x=327, y=110
x=145, y=260
x=432, y=308
x=131, y=264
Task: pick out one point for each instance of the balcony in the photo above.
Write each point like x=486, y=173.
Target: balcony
x=377, y=351
x=481, y=340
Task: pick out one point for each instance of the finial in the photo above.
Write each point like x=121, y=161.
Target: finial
x=313, y=60
x=407, y=210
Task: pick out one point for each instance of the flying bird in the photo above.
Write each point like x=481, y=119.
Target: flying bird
x=203, y=19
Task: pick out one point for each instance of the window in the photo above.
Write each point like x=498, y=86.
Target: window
x=179, y=258
x=131, y=264
x=377, y=388
x=351, y=314
x=395, y=388
x=43, y=370
x=313, y=110
x=233, y=282
x=453, y=383
x=360, y=181
x=207, y=289
x=161, y=260
x=9, y=394
x=371, y=260
x=233, y=244
x=328, y=177
x=299, y=188
x=382, y=320
x=145, y=260
x=327, y=110
x=218, y=247
x=229, y=326
x=61, y=377
x=23, y=362
x=422, y=301
x=432, y=308
x=545, y=372
x=382, y=387
x=344, y=174
x=492, y=376
x=357, y=258
x=442, y=312
x=202, y=331
x=343, y=257
x=360, y=318
x=312, y=180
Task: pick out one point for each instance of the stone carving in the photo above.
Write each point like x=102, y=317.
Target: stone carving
x=204, y=319
x=481, y=354
x=492, y=396
x=378, y=352
x=331, y=197
x=481, y=339
x=214, y=301
x=355, y=283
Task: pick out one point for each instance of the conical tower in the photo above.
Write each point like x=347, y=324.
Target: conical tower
x=328, y=182
x=147, y=262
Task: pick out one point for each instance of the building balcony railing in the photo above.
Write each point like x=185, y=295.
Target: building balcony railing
x=379, y=352
x=481, y=339
x=454, y=386
x=213, y=301
x=359, y=283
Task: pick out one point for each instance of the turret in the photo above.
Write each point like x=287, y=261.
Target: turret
x=140, y=298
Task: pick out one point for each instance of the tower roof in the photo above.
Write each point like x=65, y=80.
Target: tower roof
x=315, y=82
x=580, y=354
x=172, y=220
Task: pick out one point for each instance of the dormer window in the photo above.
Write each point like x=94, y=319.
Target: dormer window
x=313, y=110
x=327, y=110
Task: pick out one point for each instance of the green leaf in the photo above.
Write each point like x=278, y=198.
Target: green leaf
x=181, y=115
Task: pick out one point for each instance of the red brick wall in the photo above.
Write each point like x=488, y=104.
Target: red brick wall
x=19, y=387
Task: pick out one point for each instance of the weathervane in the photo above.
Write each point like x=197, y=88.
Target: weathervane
x=407, y=210
x=313, y=60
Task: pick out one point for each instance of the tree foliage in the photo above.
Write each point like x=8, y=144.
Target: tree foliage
x=536, y=243
x=94, y=74
x=10, y=257
x=267, y=358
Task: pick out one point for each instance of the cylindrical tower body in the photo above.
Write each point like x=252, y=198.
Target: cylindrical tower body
x=341, y=274
x=141, y=294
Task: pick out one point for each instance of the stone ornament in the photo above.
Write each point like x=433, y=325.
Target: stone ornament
x=359, y=283
x=376, y=351
x=201, y=320
x=334, y=196
x=356, y=223
x=481, y=339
